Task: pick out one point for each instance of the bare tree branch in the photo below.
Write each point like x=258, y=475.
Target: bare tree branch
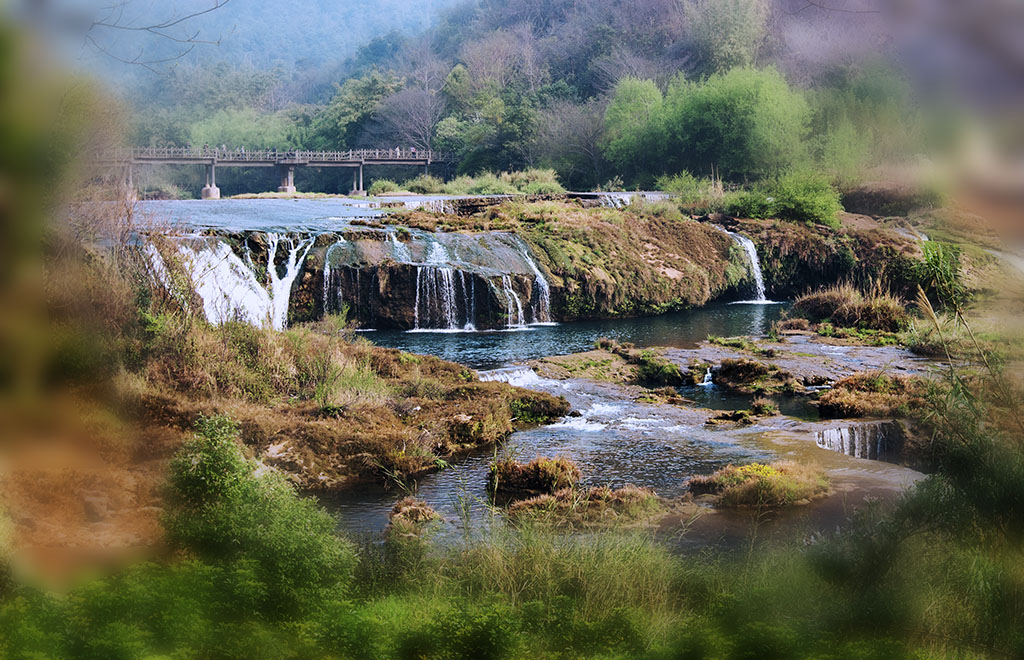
x=96, y=28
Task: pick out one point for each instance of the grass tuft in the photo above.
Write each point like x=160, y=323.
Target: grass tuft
x=757, y=484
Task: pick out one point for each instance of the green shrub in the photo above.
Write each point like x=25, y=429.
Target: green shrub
x=691, y=190
x=425, y=184
x=534, y=182
x=749, y=204
x=381, y=186
x=490, y=184
x=223, y=507
x=797, y=196
x=806, y=197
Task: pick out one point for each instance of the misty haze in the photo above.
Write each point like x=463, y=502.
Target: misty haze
x=655, y=329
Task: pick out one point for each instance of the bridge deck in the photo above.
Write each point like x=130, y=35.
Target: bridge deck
x=267, y=157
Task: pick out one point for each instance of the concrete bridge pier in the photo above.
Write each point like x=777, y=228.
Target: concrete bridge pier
x=287, y=179
x=210, y=190
x=357, y=182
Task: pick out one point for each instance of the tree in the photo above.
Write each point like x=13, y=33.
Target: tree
x=412, y=114
x=746, y=123
x=569, y=139
x=726, y=33
x=634, y=130
x=339, y=125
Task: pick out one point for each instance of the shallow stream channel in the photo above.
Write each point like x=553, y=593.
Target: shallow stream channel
x=617, y=440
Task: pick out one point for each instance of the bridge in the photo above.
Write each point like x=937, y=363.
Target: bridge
x=285, y=161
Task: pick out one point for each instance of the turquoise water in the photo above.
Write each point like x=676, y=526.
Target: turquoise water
x=489, y=350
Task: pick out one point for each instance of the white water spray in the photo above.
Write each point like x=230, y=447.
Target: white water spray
x=281, y=287
x=755, y=265
x=513, y=306
x=542, y=311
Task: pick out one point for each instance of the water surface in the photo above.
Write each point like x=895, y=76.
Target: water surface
x=490, y=350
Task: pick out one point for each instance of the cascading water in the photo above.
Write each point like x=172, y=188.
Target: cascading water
x=708, y=379
x=280, y=287
x=399, y=250
x=755, y=265
x=513, y=306
x=438, y=293
x=542, y=309
x=330, y=304
x=226, y=285
x=616, y=200
x=873, y=440
x=437, y=296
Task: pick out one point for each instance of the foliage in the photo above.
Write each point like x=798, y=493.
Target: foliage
x=224, y=508
x=940, y=273
x=633, y=125
x=726, y=33
x=425, y=184
x=382, y=186
x=760, y=485
x=805, y=197
x=746, y=123
x=847, y=306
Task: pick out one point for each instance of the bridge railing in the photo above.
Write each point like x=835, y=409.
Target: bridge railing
x=241, y=154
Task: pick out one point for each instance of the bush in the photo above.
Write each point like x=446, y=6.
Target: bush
x=534, y=182
x=845, y=305
x=749, y=204
x=758, y=484
x=224, y=508
x=541, y=475
x=797, y=196
x=425, y=184
x=702, y=193
x=806, y=197
x=749, y=123
x=382, y=186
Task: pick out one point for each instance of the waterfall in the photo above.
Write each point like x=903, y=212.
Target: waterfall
x=227, y=286
x=329, y=280
x=281, y=287
x=755, y=265
x=513, y=306
x=874, y=441
x=708, y=379
x=437, y=254
x=399, y=250
x=615, y=200
x=436, y=303
x=469, y=296
x=542, y=310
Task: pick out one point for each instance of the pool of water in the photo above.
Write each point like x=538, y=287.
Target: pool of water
x=615, y=442
x=490, y=350
x=274, y=215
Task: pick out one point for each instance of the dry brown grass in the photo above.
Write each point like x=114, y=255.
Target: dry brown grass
x=599, y=505
x=845, y=305
x=752, y=376
x=409, y=515
x=873, y=394
x=509, y=478
x=759, y=485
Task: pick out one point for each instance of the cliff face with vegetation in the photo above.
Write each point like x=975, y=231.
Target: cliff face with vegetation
x=605, y=263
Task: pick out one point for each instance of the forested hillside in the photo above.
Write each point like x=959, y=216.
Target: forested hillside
x=608, y=93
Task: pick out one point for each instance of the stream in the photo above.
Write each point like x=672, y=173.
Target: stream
x=613, y=439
